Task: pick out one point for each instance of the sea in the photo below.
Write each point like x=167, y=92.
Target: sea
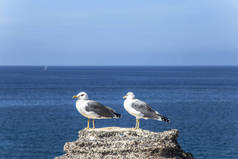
x=38, y=114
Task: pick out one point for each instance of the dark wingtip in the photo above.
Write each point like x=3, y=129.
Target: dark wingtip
x=165, y=119
x=117, y=115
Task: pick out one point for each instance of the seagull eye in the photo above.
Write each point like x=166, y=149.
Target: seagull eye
x=82, y=95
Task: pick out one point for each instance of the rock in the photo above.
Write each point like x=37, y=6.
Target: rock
x=122, y=143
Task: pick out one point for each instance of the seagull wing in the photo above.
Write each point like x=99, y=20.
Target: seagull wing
x=147, y=111
x=101, y=110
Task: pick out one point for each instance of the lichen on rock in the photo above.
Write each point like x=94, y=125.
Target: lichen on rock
x=123, y=143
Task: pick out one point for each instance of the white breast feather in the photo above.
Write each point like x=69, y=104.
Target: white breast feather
x=81, y=107
x=130, y=110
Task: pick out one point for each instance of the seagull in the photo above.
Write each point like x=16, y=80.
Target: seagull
x=92, y=109
x=140, y=109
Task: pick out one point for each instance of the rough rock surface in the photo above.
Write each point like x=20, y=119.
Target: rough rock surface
x=122, y=143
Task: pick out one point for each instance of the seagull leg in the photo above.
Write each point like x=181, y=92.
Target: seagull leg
x=93, y=123
x=88, y=124
x=136, y=124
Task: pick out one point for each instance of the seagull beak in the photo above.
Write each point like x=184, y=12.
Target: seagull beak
x=124, y=97
x=74, y=97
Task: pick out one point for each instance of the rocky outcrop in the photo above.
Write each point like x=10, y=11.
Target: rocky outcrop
x=122, y=143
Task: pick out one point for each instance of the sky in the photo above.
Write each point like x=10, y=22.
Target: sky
x=118, y=32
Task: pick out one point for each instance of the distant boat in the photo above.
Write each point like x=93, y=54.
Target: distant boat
x=45, y=68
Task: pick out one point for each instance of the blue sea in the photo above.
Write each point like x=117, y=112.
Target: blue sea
x=38, y=115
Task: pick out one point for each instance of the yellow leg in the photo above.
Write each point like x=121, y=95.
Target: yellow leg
x=88, y=124
x=93, y=124
x=137, y=124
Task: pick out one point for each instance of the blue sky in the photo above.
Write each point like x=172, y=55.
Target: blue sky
x=125, y=32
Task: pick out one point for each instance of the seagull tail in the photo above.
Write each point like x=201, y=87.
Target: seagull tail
x=116, y=115
x=162, y=118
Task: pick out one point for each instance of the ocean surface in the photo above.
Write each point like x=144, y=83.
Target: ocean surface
x=38, y=115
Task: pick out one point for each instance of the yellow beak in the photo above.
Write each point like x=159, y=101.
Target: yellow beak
x=74, y=97
x=124, y=97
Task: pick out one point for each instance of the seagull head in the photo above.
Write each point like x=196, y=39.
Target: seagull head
x=129, y=95
x=81, y=96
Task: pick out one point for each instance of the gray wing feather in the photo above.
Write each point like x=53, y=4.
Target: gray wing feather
x=144, y=108
x=147, y=111
x=101, y=110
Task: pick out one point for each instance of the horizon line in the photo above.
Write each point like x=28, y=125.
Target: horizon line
x=119, y=65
